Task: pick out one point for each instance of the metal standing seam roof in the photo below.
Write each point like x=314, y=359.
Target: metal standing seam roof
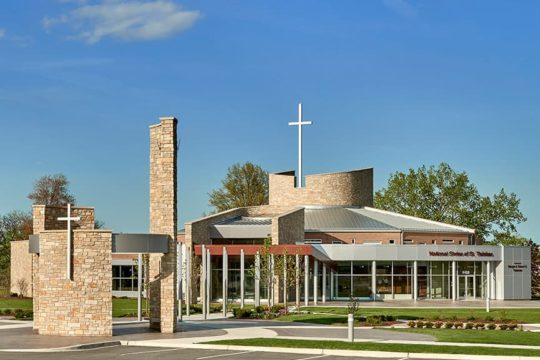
x=369, y=219
x=410, y=223
x=341, y=218
x=243, y=220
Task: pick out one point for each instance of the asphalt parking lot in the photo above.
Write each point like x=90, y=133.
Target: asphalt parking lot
x=150, y=353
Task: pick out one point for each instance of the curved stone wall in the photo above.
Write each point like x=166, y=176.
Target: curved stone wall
x=349, y=188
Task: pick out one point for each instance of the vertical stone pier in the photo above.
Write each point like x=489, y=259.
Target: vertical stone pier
x=163, y=220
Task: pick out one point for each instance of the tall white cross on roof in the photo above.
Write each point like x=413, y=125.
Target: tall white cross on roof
x=300, y=123
x=69, y=219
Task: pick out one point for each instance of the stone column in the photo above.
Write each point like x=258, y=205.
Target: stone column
x=163, y=219
x=242, y=279
x=306, y=280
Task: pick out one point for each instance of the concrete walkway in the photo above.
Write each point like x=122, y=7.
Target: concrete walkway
x=18, y=336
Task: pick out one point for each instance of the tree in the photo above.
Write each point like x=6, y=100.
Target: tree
x=16, y=225
x=51, y=190
x=244, y=185
x=535, y=267
x=442, y=194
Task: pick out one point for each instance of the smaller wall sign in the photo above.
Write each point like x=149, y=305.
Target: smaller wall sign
x=517, y=267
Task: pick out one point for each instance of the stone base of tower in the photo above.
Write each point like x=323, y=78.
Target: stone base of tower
x=163, y=304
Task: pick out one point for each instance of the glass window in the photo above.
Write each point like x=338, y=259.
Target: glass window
x=124, y=278
x=361, y=286
x=384, y=284
x=344, y=268
x=402, y=284
x=361, y=268
x=384, y=268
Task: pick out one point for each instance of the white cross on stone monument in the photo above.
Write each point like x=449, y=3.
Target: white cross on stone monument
x=69, y=219
x=299, y=123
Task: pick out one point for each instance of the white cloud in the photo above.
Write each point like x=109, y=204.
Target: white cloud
x=401, y=7
x=133, y=20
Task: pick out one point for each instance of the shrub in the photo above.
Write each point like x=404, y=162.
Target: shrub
x=503, y=327
x=458, y=325
x=374, y=320
x=261, y=308
x=420, y=324
x=454, y=317
x=429, y=325
x=388, y=318
x=436, y=317
x=438, y=325
x=449, y=325
x=277, y=308
x=489, y=318
x=512, y=327
x=479, y=326
x=504, y=316
x=7, y=312
x=471, y=318
x=411, y=324
x=491, y=326
x=241, y=313
x=469, y=326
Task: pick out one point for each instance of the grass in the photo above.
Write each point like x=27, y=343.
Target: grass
x=328, y=315
x=121, y=307
x=407, y=348
x=480, y=336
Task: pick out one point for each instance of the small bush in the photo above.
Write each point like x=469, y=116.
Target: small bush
x=438, y=324
x=241, y=313
x=458, y=325
x=374, y=320
x=479, y=326
x=277, y=308
x=8, y=312
x=261, y=308
x=411, y=324
x=491, y=326
x=503, y=327
x=489, y=318
x=389, y=318
x=469, y=326
x=471, y=318
x=429, y=325
x=436, y=317
x=454, y=317
x=512, y=327
x=449, y=325
x=420, y=324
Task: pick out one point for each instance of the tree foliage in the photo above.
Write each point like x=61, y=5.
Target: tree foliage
x=535, y=267
x=244, y=185
x=16, y=225
x=51, y=190
x=442, y=194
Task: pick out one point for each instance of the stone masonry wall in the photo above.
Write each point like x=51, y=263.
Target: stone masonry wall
x=45, y=217
x=351, y=188
x=288, y=228
x=163, y=220
x=81, y=306
x=21, y=267
x=197, y=230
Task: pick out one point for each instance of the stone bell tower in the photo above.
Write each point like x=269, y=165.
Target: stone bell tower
x=163, y=220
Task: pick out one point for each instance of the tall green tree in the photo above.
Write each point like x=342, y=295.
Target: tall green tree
x=442, y=194
x=535, y=267
x=244, y=185
x=16, y=225
x=51, y=190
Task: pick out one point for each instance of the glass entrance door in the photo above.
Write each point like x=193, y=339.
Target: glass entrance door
x=466, y=287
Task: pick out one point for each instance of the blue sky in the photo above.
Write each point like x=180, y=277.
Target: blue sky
x=391, y=84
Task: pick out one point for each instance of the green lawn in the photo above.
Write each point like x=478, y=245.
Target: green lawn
x=480, y=336
x=329, y=314
x=121, y=307
x=407, y=348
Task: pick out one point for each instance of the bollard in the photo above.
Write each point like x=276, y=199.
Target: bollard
x=350, y=323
